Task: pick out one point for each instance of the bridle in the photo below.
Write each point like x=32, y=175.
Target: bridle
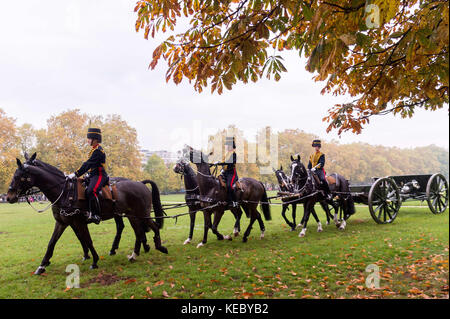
x=23, y=191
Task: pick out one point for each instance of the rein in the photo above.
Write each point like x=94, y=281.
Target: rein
x=51, y=204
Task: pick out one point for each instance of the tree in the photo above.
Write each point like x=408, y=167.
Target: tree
x=9, y=150
x=64, y=144
x=391, y=56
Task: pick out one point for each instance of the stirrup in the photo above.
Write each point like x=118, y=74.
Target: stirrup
x=93, y=219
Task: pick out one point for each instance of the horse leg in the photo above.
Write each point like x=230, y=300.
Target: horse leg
x=192, y=214
x=306, y=213
x=217, y=217
x=145, y=228
x=206, y=227
x=57, y=232
x=119, y=229
x=249, y=228
x=83, y=244
x=260, y=221
x=86, y=236
x=283, y=213
x=139, y=234
x=157, y=237
x=319, y=225
x=326, y=210
x=237, y=212
x=294, y=213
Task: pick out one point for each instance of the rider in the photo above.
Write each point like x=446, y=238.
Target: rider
x=317, y=164
x=228, y=172
x=97, y=174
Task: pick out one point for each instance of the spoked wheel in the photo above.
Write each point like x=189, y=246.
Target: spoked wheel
x=437, y=193
x=384, y=200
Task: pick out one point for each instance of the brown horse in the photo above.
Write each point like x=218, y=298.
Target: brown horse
x=252, y=193
x=135, y=199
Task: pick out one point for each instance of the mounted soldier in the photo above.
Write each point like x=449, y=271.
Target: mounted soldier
x=228, y=173
x=317, y=165
x=95, y=166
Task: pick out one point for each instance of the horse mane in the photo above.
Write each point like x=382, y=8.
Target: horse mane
x=48, y=167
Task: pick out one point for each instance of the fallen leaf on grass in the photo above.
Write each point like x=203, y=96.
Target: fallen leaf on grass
x=129, y=281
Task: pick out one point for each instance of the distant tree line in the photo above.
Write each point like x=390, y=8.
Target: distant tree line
x=63, y=144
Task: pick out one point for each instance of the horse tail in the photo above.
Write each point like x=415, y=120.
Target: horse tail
x=156, y=201
x=265, y=204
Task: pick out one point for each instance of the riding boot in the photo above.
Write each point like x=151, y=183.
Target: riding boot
x=327, y=190
x=94, y=209
x=231, y=198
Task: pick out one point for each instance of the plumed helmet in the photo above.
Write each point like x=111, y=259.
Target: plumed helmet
x=94, y=133
x=316, y=143
x=229, y=141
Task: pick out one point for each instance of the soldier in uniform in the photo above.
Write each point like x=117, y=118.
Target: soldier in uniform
x=228, y=172
x=98, y=177
x=317, y=164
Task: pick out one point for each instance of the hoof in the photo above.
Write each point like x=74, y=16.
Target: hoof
x=200, y=244
x=132, y=257
x=319, y=228
x=236, y=232
x=93, y=266
x=244, y=240
x=299, y=226
x=187, y=241
x=86, y=258
x=302, y=233
x=262, y=235
x=163, y=250
x=342, y=226
x=112, y=252
x=40, y=270
x=146, y=248
x=227, y=237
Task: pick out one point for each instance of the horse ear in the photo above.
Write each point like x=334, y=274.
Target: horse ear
x=26, y=156
x=19, y=163
x=298, y=157
x=292, y=159
x=33, y=157
x=281, y=167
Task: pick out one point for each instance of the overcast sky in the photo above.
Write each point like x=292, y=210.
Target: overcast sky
x=58, y=55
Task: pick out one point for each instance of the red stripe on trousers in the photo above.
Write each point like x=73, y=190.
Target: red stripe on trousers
x=232, y=179
x=98, y=181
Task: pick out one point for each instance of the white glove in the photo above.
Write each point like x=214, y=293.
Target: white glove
x=71, y=176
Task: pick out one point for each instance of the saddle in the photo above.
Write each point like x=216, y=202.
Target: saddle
x=236, y=186
x=108, y=192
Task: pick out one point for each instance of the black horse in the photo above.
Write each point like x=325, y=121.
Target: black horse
x=183, y=168
x=252, y=193
x=339, y=186
x=286, y=186
x=135, y=199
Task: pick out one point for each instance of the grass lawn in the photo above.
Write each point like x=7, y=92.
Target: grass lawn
x=412, y=256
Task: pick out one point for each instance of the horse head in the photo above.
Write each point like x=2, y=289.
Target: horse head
x=283, y=180
x=23, y=179
x=298, y=170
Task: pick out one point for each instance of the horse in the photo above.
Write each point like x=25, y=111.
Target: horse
x=286, y=186
x=338, y=186
x=214, y=194
x=304, y=185
x=117, y=218
x=134, y=198
x=183, y=168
